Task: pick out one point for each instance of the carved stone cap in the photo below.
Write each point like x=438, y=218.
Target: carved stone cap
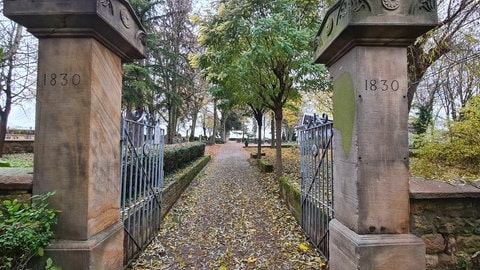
x=351, y=23
x=112, y=22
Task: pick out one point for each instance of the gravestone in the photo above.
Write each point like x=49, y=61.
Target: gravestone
x=364, y=45
x=82, y=45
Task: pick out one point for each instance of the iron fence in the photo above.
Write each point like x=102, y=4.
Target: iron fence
x=142, y=148
x=316, y=160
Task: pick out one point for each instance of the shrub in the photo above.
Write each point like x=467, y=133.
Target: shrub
x=178, y=155
x=25, y=229
x=458, y=148
x=4, y=163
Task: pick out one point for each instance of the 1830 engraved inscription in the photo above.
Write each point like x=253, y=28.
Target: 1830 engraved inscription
x=382, y=85
x=60, y=79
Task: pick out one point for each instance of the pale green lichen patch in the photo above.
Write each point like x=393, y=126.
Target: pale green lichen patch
x=344, y=109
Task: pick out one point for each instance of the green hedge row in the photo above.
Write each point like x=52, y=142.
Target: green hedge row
x=179, y=155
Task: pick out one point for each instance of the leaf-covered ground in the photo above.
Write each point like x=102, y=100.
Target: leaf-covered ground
x=290, y=160
x=230, y=218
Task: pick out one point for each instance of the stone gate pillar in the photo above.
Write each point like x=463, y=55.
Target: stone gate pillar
x=82, y=45
x=364, y=45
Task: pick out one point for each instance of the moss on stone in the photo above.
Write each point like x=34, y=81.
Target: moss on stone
x=265, y=166
x=179, y=182
x=292, y=197
x=344, y=109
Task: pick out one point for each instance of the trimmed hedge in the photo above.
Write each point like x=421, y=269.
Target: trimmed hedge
x=179, y=155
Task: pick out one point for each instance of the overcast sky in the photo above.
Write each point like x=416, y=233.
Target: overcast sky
x=22, y=117
x=201, y=5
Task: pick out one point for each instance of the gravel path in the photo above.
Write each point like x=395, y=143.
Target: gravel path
x=230, y=218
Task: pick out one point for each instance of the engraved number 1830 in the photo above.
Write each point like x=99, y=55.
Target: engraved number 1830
x=381, y=85
x=62, y=79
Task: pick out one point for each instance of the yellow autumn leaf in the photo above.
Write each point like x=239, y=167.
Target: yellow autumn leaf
x=303, y=247
x=251, y=260
x=222, y=267
x=221, y=10
x=195, y=19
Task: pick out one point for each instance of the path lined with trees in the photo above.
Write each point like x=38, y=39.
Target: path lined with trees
x=238, y=57
x=229, y=219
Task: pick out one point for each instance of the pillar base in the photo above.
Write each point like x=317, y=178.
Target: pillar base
x=374, y=251
x=102, y=251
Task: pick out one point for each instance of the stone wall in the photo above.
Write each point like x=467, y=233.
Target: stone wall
x=16, y=183
x=181, y=180
x=447, y=218
x=292, y=197
x=15, y=147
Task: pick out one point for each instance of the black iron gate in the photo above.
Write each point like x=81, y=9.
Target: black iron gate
x=142, y=148
x=316, y=157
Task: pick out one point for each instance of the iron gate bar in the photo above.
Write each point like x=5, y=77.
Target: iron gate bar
x=132, y=238
x=143, y=168
x=317, y=182
x=142, y=181
x=317, y=170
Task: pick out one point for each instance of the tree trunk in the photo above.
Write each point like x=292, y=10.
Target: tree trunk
x=3, y=131
x=290, y=132
x=258, y=115
x=204, y=127
x=212, y=139
x=264, y=126
x=7, y=60
x=194, y=125
x=224, y=130
x=272, y=130
x=172, y=124
x=223, y=124
x=278, y=144
x=259, y=143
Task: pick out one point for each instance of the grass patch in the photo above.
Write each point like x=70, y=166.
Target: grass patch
x=17, y=161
